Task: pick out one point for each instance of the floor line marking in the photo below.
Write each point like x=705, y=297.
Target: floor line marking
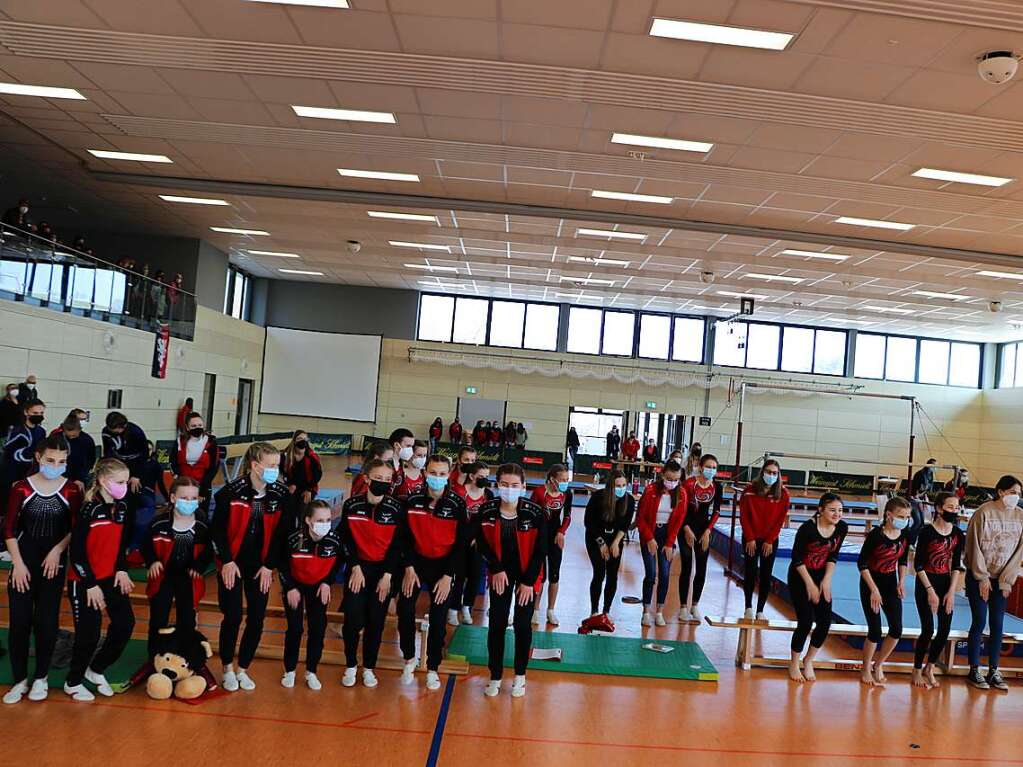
x=442, y=719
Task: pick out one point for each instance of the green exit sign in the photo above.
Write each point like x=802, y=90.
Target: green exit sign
x=471, y=390
x=651, y=405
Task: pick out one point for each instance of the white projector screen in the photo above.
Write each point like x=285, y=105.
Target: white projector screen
x=325, y=375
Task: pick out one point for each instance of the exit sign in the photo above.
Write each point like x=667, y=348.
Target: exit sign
x=651, y=405
x=471, y=390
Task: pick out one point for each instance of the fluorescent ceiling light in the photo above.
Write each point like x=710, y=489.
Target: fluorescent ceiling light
x=312, y=3
x=720, y=35
x=773, y=278
x=353, y=115
x=961, y=178
x=193, y=200
x=419, y=245
x=1001, y=275
x=609, y=233
x=932, y=294
x=730, y=294
x=603, y=261
x=134, y=156
x=44, y=91
x=604, y=195
x=276, y=253
x=430, y=268
x=814, y=254
x=300, y=271
x=588, y=281
x=874, y=223
x=402, y=216
x=250, y=232
x=350, y=173
x=887, y=310
x=657, y=142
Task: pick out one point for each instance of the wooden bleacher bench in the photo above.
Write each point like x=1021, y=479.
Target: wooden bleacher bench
x=745, y=658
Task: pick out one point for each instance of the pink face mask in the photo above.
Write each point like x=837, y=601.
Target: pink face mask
x=670, y=484
x=116, y=490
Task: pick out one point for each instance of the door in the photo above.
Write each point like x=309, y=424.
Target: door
x=209, y=394
x=592, y=425
x=473, y=409
x=243, y=415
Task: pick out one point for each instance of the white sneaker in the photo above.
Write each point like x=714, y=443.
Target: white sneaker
x=79, y=692
x=659, y=620
x=748, y=615
x=102, y=685
x=40, y=689
x=245, y=681
x=432, y=680
x=761, y=617
x=466, y=616
x=369, y=679
x=695, y=613
x=536, y=617
x=5, y=556
x=229, y=681
x=683, y=615
x=312, y=681
x=452, y=617
x=648, y=620
x=16, y=693
x=348, y=680
x=288, y=680
x=493, y=688
x=552, y=619
x=518, y=687
x=408, y=672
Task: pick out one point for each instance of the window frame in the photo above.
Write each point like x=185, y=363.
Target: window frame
x=229, y=297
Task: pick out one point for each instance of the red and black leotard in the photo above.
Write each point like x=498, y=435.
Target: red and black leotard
x=410, y=486
x=437, y=529
x=99, y=541
x=557, y=506
x=202, y=471
x=704, y=505
x=814, y=551
x=938, y=554
x=39, y=522
x=881, y=555
x=370, y=533
x=244, y=524
x=530, y=540
x=179, y=551
x=309, y=563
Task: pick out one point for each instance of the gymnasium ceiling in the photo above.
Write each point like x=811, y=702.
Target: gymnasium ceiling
x=505, y=110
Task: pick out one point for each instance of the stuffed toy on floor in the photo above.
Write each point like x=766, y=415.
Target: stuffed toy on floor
x=179, y=664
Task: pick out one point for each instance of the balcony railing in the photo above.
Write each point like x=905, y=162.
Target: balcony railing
x=52, y=275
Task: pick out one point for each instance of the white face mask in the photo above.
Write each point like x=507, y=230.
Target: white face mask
x=1011, y=501
x=405, y=453
x=320, y=529
x=419, y=462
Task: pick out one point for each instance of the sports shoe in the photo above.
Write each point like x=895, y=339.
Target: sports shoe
x=493, y=688
x=695, y=614
x=348, y=680
x=552, y=620
x=452, y=617
x=648, y=620
x=229, y=681
x=683, y=615
x=761, y=617
x=102, y=685
x=994, y=679
x=976, y=679
x=466, y=616
x=79, y=692
x=40, y=689
x=288, y=680
x=369, y=679
x=245, y=681
x=312, y=681
x=659, y=620
x=518, y=687
x=432, y=680
x=5, y=556
x=748, y=615
x=16, y=693
x=536, y=617
x=408, y=672
x=606, y=622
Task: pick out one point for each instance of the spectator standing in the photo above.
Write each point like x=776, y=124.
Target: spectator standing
x=613, y=443
x=27, y=389
x=18, y=216
x=572, y=443
x=455, y=431
x=436, y=431
x=9, y=410
x=183, y=413
x=521, y=435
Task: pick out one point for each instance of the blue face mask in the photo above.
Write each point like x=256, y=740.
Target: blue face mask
x=900, y=524
x=620, y=492
x=510, y=494
x=50, y=471
x=436, y=483
x=710, y=473
x=770, y=479
x=562, y=487
x=186, y=506
x=271, y=474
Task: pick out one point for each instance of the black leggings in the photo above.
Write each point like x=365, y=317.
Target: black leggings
x=891, y=606
x=500, y=604
x=925, y=645
x=554, y=555
x=87, y=629
x=466, y=590
x=316, y=616
x=176, y=589
x=429, y=573
x=808, y=614
x=605, y=573
x=231, y=606
x=365, y=615
x=757, y=574
x=36, y=611
x=687, y=556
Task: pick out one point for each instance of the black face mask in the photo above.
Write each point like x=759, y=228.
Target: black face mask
x=379, y=487
x=482, y=482
x=301, y=444
x=35, y=420
x=950, y=516
x=197, y=431
x=465, y=468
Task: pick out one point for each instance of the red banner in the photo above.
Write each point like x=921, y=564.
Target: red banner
x=161, y=351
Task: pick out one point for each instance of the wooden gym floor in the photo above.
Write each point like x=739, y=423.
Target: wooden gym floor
x=747, y=718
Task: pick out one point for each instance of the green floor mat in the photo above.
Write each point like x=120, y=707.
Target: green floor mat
x=131, y=660
x=594, y=654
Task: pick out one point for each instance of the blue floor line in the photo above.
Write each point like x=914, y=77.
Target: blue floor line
x=442, y=718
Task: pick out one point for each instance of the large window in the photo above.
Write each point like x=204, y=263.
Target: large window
x=509, y=324
x=436, y=314
x=236, y=296
x=470, y=321
x=900, y=359
x=730, y=344
x=654, y=336
x=584, y=330
x=619, y=329
x=542, y=327
x=763, y=346
x=923, y=360
x=507, y=320
x=1010, y=372
x=688, y=341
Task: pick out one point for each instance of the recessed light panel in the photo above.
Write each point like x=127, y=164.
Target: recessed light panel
x=352, y=115
x=301, y=271
x=814, y=254
x=419, y=245
x=378, y=175
x=611, y=234
x=874, y=223
x=43, y=91
x=193, y=200
x=717, y=34
x=275, y=253
x=961, y=178
x=403, y=216
x=657, y=142
x=132, y=156
x=249, y=232
x=630, y=197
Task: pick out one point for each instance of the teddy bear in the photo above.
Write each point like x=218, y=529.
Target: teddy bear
x=179, y=662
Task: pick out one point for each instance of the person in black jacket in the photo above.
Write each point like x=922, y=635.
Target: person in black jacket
x=613, y=443
x=127, y=442
x=27, y=389
x=82, y=457
x=609, y=514
x=18, y=216
x=10, y=413
x=18, y=456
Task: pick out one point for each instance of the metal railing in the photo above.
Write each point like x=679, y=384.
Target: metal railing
x=47, y=273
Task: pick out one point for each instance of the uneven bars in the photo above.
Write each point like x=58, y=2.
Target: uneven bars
x=839, y=392
x=852, y=460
